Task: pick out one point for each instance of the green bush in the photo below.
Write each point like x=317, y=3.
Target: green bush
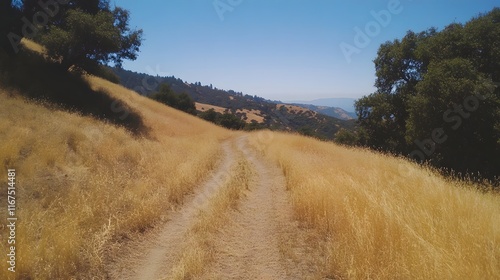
x=226, y=120
x=209, y=115
x=346, y=137
x=231, y=121
x=106, y=73
x=181, y=101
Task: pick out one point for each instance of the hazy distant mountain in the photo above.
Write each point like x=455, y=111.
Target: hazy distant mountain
x=345, y=103
x=335, y=112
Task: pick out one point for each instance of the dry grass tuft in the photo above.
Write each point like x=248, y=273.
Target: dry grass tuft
x=199, y=252
x=31, y=45
x=384, y=217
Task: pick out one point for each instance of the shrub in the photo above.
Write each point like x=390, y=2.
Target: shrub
x=181, y=101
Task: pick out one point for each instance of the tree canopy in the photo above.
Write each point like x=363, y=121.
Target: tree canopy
x=436, y=98
x=180, y=101
x=77, y=32
x=9, y=23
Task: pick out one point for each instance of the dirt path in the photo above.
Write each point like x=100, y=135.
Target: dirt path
x=251, y=246
x=154, y=256
x=260, y=241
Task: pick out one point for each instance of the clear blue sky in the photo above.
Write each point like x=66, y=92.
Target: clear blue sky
x=279, y=49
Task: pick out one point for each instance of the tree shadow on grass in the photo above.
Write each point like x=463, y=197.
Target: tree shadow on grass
x=36, y=78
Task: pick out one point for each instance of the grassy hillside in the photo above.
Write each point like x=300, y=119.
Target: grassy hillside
x=335, y=112
x=379, y=217
x=84, y=184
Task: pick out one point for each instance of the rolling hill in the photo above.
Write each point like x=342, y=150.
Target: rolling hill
x=187, y=199
x=335, y=112
x=270, y=114
x=346, y=104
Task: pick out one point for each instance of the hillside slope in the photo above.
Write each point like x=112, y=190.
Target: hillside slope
x=335, y=112
x=110, y=184
x=88, y=189
x=274, y=117
x=380, y=217
x=83, y=184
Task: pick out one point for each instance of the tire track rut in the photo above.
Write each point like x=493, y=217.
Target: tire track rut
x=249, y=247
x=161, y=251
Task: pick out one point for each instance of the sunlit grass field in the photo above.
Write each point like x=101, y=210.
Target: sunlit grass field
x=382, y=217
x=82, y=182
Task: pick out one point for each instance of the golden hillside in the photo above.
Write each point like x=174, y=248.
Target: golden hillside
x=380, y=217
x=248, y=115
x=82, y=182
x=85, y=188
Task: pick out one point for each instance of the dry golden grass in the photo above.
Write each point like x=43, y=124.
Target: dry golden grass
x=83, y=183
x=386, y=218
x=205, y=107
x=33, y=46
x=296, y=109
x=252, y=115
x=199, y=252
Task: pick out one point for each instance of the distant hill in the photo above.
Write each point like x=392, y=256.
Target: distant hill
x=346, y=104
x=335, y=112
x=256, y=111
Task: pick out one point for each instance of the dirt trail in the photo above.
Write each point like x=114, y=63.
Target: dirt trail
x=250, y=246
x=259, y=241
x=155, y=255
